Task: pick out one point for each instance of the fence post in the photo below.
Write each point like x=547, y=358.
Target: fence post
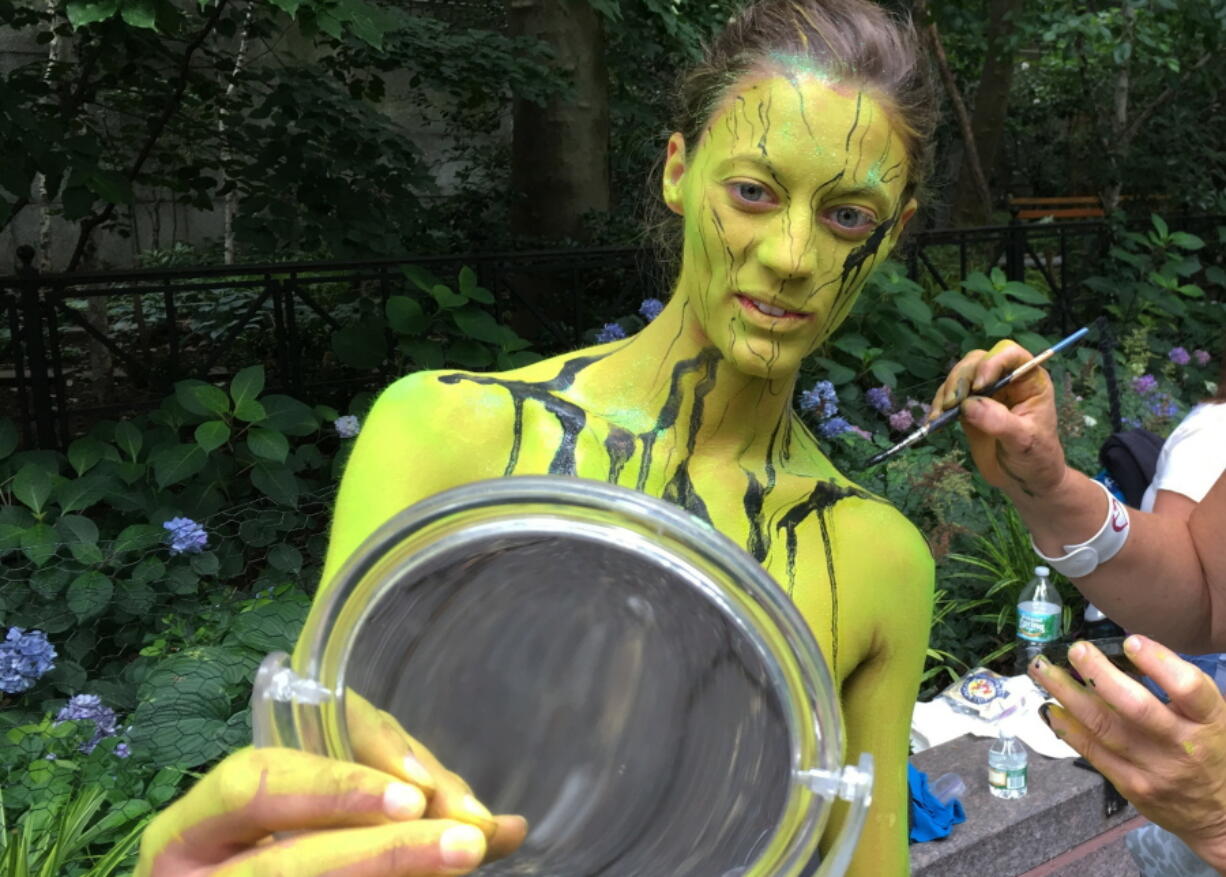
x=1015, y=252
x=31, y=308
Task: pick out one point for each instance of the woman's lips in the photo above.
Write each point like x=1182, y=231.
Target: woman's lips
x=762, y=309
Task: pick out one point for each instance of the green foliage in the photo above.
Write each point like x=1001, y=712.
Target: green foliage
x=429, y=326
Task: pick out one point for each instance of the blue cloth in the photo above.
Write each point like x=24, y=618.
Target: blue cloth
x=1214, y=665
x=930, y=819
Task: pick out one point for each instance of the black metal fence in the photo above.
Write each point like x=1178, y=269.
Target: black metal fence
x=78, y=347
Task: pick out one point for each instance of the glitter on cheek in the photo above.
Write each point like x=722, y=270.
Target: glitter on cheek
x=1189, y=747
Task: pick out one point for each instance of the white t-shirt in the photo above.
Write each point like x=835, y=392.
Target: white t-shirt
x=1193, y=457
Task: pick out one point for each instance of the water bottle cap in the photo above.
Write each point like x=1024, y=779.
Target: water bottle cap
x=1042, y=571
x=1094, y=614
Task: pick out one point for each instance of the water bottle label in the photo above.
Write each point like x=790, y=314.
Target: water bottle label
x=1038, y=627
x=1011, y=779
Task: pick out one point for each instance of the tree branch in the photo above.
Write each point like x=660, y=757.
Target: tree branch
x=1162, y=99
x=964, y=118
x=155, y=132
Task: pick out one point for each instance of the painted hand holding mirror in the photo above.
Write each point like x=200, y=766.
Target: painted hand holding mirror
x=594, y=659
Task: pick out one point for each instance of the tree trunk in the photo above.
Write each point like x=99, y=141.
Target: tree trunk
x=991, y=105
x=560, y=151
x=1120, y=135
x=970, y=155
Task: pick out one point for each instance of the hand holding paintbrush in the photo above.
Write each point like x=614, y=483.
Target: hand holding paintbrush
x=964, y=390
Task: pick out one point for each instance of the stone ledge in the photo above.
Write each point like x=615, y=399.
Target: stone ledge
x=1063, y=809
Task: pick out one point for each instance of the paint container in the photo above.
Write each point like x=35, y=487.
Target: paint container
x=599, y=661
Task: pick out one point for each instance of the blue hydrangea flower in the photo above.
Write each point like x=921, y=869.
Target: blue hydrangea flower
x=186, y=536
x=122, y=751
x=1179, y=356
x=832, y=427
x=347, y=426
x=610, y=332
x=1164, y=406
x=650, y=308
x=24, y=659
x=89, y=708
x=880, y=399
x=821, y=400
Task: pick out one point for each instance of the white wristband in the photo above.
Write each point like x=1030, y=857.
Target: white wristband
x=1081, y=560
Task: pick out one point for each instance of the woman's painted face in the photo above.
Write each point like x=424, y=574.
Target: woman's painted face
x=791, y=196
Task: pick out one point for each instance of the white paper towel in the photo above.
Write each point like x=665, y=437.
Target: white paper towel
x=936, y=721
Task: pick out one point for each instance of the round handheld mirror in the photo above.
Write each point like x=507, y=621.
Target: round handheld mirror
x=596, y=660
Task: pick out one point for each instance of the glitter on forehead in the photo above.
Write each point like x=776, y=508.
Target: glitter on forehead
x=792, y=63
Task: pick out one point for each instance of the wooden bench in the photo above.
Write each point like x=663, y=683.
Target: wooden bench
x=1066, y=207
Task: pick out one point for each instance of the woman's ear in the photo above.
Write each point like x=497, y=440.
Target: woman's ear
x=674, y=170
x=907, y=213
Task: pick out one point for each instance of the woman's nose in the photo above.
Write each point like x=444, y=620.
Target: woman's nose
x=789, y=249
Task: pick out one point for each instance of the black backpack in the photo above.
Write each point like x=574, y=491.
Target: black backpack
x=1130, y=458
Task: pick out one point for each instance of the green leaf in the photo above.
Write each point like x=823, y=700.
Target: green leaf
x=82, y=493
x=426, y=354
x=1213, y=274
x=268, y=443
x=177, y=463
x=8, y=437
x=205, y=563
x=478, y=325
x=39, y=543
x=420, y=277
x=285, y=558
x=1160, y=225
x=287, y=415
x=89, y=594
x=47, y=583
x=272, y=626
x=914, y=308
x=977, y=281
x=77, y=528
x=82, y=13
x=201, y=398
x=405, y=315
x=250, y=411
x=181, y=581
x=886, y=371
x=288, y=6
x=833, y=372
x=33, y=485
x=85, y=453
x=135, y=598
x=212, y=434
x=467, y=281
x=247, y=385
x=140, y=13
x=129, y=439
x=958, y=302
x=149, y=570
x=469, y=354
x=361, y=346
x=277, y=482
x=1186, y=241
x=1025, y=292
x=853, y=344
x=138, y=537
x=446, y=298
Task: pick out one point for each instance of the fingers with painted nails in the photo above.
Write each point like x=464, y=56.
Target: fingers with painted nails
x=396, y=813
x=1169, y=760
x=1012, y=436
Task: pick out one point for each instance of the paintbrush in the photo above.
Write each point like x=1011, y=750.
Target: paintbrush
x=950, y=415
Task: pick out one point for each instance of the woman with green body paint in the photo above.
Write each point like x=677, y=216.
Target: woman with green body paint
x=798, y=151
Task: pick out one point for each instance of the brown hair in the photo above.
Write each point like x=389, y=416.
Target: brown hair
x=850, y=41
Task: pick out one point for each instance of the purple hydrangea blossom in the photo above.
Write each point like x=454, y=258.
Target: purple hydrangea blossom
x=902, y=420
x=650, y=308
x=186, y=536
x=89, y=708
x=347, y=426
x=1179, y=356
x=880, y=399
x=833, y=426
x=122, y=751
x=1145, y=384
x=24, y=659
x=822, y=400
x=610, y=332
x=1201, y=357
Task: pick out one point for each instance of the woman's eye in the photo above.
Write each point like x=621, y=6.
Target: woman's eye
x=751, y=193
x=852, y=218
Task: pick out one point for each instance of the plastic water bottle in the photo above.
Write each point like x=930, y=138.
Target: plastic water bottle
x=1040, y=617
x=1007, y=767
x=1098, y=625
